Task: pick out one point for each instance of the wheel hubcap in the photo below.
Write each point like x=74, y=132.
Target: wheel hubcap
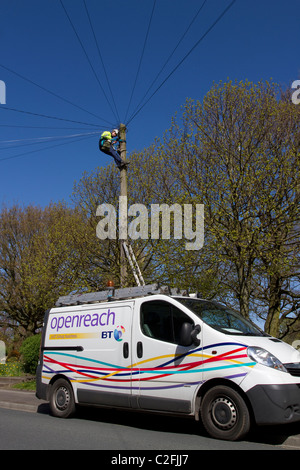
x=62, y=398
x=224, y=413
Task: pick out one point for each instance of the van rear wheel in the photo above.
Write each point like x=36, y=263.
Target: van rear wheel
x=62, y=403
x=224, y=414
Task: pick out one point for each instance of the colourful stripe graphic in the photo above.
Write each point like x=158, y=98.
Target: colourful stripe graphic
x=103, y=374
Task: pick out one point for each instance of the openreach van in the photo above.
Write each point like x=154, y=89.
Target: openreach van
x=150, y=348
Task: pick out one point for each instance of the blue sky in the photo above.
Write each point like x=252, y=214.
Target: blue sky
x=255, y=40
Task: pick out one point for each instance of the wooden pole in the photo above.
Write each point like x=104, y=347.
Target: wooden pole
x=123, y=192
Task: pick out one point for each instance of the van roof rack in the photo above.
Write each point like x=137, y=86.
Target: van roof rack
x=117, y=294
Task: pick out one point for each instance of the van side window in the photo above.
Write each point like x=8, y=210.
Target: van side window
x=163, y=321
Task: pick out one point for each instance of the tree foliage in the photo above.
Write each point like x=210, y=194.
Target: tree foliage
x=247, y=139
x=30, y=351
x=40, y=259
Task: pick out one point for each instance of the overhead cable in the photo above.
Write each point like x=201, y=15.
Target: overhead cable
x=46, y=116
x=87, y=57
x=141, y=58
x=43, y=127
x=101, y=59
x=184, y=58
x=171, y=55
x=51, y=92
x=41, y=150
x=39, y=140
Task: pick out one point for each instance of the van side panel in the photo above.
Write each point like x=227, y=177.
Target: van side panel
x=88, y=345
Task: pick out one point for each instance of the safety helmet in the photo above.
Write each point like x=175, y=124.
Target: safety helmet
x=116, y=131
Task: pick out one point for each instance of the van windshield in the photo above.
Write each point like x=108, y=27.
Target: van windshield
x=221, y=318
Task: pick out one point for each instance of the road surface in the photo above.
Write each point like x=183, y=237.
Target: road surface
x=118, y=430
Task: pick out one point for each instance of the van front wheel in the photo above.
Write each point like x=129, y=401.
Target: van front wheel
x=224, y=414
x=62, y=403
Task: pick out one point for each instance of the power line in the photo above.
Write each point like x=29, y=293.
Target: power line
x=101, y=59
x=87, y=57
x=39, y=140
x=51, y=92
x=46, y=116
x=141, y=58
x=41, y=150
x=171, y=55
x=43, y=127
x=184, y=58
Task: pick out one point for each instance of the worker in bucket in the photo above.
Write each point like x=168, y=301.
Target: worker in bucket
x=107, y=143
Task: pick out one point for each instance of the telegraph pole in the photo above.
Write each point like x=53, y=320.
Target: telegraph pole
x=123, y=192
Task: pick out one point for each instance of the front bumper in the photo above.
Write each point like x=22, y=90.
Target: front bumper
x=275, y=404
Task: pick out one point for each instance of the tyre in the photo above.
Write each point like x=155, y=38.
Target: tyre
x=224, y=414
x=62, y=403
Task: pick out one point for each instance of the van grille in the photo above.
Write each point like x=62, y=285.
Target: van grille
x=293, y=368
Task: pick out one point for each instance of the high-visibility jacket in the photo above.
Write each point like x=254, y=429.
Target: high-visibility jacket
x=106, y=135
x=106, y=141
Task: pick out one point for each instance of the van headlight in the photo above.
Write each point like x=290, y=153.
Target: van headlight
x=265, y=358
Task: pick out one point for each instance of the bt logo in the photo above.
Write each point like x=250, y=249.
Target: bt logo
x=117, y=333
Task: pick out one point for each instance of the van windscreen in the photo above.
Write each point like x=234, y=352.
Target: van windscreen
x=221, y=318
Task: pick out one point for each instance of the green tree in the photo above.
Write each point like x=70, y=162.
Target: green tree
x=40, y=259
x=243, y=159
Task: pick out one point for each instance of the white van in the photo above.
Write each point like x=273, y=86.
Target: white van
x=144, y=349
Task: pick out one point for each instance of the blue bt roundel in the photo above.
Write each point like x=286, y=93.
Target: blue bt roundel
x=118, y=333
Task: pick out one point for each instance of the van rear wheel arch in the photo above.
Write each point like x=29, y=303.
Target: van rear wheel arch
x=61, y=397
x=57, y=377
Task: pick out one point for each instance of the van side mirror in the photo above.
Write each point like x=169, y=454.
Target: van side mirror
x=194, y=334
x=188, y=334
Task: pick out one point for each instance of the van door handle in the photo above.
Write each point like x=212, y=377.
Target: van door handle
x=125, y=350
x=139, y=349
